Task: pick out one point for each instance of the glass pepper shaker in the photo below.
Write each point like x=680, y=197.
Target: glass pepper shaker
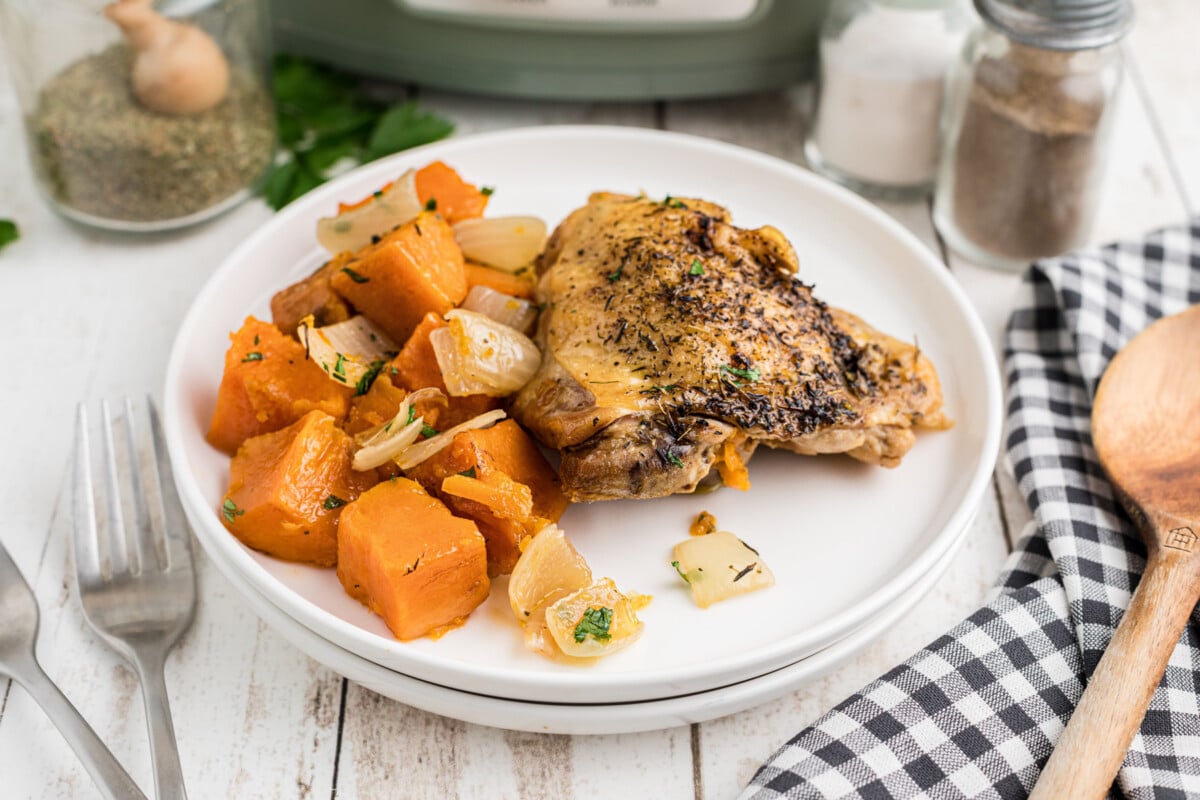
x=143, y=115
x=879, y=95
x=1027, y=123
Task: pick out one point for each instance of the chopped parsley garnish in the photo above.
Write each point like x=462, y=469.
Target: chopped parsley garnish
x=697, y=267
x=613, y=277
x=671, y=202
x=332, y=502
x=468, y=473
x=364, y=383
x=431, y=204
x=751, y=374
x=229, y=510
x=595, y=623
x=487, y=191
x=674, y=459
x=377, y=194
x=253, y=356
x=256, y=340
x=356, y=277
x=412, y=414
x=428, y=431
x=339, y=368
x=679, y=569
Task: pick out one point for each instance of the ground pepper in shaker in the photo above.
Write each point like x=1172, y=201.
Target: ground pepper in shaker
x=1027, y=122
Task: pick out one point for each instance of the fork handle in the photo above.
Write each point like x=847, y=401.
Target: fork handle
x=168, y=774
x=111, y=778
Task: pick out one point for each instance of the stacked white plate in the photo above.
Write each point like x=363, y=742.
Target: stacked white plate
x=852, y=546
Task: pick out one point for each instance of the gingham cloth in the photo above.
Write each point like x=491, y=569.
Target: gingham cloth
x=976, y=713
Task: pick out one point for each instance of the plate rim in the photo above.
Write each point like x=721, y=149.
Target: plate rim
x=544, y=684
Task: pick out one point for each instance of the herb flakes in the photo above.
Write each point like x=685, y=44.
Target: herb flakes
x=332, y=502
x=595, y=623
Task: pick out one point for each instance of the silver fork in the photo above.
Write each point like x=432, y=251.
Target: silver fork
x=18, y=635
x=137, y=584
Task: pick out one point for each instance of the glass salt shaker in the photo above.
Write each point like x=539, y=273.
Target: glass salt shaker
x=879, y=95
x=1028, y=120
x=143, y=116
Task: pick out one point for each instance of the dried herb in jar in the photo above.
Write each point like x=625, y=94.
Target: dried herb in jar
x=1026, y=166
x=101, y=153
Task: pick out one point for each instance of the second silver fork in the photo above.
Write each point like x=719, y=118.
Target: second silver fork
x=136, y=581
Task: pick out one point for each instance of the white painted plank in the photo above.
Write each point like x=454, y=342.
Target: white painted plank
x=1163, y=45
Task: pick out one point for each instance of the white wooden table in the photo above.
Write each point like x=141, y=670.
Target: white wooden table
x=89, y=315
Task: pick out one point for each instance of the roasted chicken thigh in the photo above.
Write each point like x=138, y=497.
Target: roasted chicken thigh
x=674, y=342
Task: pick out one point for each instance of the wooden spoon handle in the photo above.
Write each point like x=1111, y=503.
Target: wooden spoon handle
x=1092, y=747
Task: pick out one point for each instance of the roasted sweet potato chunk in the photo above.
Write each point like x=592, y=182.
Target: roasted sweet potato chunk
x=267, y=385
x=450, y=194
x=506, y=282
x=413, y=270
x=287, y=489
x=504, y=448
x=312, y=295
x=412, y=562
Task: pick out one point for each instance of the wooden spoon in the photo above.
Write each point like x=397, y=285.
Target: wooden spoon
x=1146, y=431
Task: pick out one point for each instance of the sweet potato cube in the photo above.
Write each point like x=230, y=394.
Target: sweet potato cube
x=505, y=282
x=451, y=195
x=312, y=295
x=287, y=489
x=413, y=270
x=507, y=449
x=412, y=562
x=268, y=384
x=416, y=367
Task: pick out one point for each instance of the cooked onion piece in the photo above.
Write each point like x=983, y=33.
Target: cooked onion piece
x=549, y=569
x=478, y=355
x=416, y=453
x=383, y=443
x=596, y=621
x=350, y=352
x=508, y=243
x=353, y=228
x=504, y=308
x=720, y=565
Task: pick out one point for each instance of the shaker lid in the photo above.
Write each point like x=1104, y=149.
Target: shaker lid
x=1060, y=24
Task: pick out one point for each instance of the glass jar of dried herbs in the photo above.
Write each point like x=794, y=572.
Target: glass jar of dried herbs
x=1026, y=124
x=143, y=115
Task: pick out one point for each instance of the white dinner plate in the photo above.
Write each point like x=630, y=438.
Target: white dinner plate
x=599, y=718
x=844, y=539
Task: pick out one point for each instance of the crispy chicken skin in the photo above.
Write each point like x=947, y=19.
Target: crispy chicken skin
x=669, y=332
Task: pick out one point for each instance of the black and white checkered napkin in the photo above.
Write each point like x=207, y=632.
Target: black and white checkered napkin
x=976, y=713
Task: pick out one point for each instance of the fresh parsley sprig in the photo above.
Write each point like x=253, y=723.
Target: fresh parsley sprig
x=325, y=117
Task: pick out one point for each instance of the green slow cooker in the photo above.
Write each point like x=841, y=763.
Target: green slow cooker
x=567, y=49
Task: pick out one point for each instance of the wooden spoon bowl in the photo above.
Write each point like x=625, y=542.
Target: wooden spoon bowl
x=1146, y=431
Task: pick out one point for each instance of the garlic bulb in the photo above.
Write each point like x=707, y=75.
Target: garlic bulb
x=178, y=68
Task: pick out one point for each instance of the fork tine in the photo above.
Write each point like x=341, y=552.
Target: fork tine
x=144, y=538
x=175, y=525
x=115, y=518
x=83, y=503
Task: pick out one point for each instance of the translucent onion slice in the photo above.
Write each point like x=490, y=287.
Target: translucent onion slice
x=350, y=352
x=353, y=228
x=416, y=453
x=383, y=443
x=507, y=243
x=504, y=308
x=478, y=355
x=596, y=621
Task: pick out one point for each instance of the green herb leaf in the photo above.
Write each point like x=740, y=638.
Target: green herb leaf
x=697, y=268
x=403, y=126
x=468, y=473
x=675, y=459
x=8, y=232
x=229, y=510
x=339, y=368
x=682, y=574
x=595, y=623
x=427, y=431
x=751, y=374
x=356, y=277
x=431, y=204
x=487, y=191
x=671, y=202
x=613, y=277
x=364, y=383
x=254, y=355
x=412, y=414
x=333, y=501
